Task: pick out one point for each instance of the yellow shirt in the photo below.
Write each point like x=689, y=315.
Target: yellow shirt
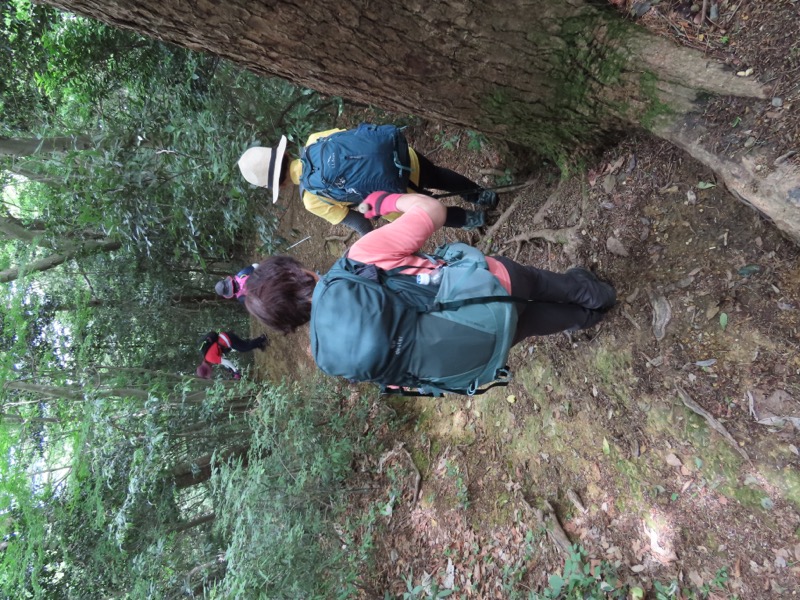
x=334, y=211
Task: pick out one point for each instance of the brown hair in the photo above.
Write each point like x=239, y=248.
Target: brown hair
x=279, y=293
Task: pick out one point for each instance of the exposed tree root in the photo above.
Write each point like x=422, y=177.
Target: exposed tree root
x=567, y=236
x=773, y=191
x=540, y=214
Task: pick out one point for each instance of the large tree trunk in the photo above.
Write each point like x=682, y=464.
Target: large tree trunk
x=553, y=75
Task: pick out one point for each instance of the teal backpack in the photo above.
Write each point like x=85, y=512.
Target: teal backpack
x=380, y=326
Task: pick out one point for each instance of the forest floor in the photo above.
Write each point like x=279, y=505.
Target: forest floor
x=664, y=441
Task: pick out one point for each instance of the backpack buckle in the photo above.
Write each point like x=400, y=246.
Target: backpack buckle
x=503, y=374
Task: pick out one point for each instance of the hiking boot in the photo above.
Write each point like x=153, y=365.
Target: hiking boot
x=475, y=219
x=484, y=198
x=488, y=199
x=595, y=294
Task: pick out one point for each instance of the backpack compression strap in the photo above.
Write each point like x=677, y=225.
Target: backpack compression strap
x=401, y=391
x=439, y=306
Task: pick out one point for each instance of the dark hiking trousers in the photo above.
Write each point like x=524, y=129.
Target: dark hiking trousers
x=439, y=178
x=432, y=177
x=562, y=301
x=241, y=345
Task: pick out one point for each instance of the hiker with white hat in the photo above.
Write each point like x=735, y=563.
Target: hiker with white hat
x=338, y=168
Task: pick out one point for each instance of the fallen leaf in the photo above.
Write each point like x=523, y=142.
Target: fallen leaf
x=723, y=320
x=705, y=185
x=695, y=578
x=606, y=447
x=614, y=167
x=511, y=399
x=706, y=363
x=673, y=461
x=662, y=315
x=616, y=247
x=609, y=183
x=637, y=568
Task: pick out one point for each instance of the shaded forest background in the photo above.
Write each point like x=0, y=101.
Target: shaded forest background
x=121, y=207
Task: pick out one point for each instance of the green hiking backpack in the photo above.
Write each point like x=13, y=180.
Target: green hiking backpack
x=380, y=326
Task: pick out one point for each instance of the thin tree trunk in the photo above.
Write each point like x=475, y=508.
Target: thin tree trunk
x=207, y=518
x=199, y=470
x=20, y=148
x=67, y=252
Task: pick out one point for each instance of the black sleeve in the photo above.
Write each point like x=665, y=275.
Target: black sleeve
x=357, y=222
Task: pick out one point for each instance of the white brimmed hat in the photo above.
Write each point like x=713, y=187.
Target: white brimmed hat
x=262, y=166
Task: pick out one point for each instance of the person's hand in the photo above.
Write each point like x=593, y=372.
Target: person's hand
x=379, y=203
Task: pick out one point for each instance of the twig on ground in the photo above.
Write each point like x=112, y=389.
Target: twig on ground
x=487, y=239
x=576, y=501
x=712, y=422
x=703, y=12
x=492, y=172
x=340, y=238
x=549, y=520
x=628, y=316
x=399, y=449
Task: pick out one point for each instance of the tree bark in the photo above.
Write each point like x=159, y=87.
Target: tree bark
x=199, y=470
x=12, y=228
x=207, y=518
x=556, y=76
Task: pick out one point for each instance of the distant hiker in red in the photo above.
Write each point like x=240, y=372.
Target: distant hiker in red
x=233, y=286
x=216, y=345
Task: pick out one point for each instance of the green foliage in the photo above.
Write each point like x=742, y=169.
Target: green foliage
x=447, y=141
x=277, y=513
x=579, y=580
x=476, y=140
x=89, y=475
x=462, y=494
x=156, y=131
